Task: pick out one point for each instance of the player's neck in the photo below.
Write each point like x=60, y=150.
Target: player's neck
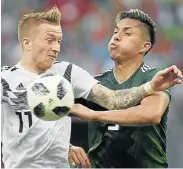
x=125, y=70
x=29, y=65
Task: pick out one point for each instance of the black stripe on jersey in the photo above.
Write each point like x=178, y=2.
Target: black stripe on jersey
x=5, y=68
x=21, y=97
x=5, y=86
x=67, y=73
x=21, y=101
x=14, y=68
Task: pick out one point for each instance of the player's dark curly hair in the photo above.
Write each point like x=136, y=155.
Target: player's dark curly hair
x=142, y=17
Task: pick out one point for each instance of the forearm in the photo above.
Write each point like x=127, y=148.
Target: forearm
x=148, y=112
x=120, y=99
x=136, y=116
x=129, y=97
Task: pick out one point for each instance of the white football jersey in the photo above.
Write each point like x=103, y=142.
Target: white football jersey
x=29, y=142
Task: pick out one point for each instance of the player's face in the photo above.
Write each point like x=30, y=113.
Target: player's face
x=127, y=40
x=46, y=45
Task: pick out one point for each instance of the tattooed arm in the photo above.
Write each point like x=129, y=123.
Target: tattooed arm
x=119, y=99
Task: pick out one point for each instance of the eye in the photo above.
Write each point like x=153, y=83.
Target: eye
x=115, y=32
x=49, y=40
x=60, y=41
x=127, y=33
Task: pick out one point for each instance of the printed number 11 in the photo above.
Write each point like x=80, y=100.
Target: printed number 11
x=28, y=113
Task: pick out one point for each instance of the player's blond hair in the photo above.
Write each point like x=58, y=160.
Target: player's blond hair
x=33, y=19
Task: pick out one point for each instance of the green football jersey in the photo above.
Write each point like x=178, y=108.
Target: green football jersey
x=119, y=146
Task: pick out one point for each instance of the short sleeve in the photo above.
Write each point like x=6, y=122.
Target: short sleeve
x=149, y=76
x=82, y=82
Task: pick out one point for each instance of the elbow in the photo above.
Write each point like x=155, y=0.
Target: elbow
x=155, y=118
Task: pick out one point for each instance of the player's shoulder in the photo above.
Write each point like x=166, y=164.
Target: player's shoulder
x=8, y=76
x=58, y=63
x=5, y=68
x=8, y=70
x=148, y=69
x=103, y=74
x=61, y=64
x=147, y=72
x=150, y=72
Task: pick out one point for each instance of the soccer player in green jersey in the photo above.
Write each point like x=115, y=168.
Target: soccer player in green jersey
x=133, y=137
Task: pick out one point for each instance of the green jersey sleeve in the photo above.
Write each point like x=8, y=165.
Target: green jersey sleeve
x=149, y=76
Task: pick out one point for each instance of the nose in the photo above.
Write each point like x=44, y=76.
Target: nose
x=116, y=37
x=56, y=47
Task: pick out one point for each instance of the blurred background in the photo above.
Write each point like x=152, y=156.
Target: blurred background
x=87, y=28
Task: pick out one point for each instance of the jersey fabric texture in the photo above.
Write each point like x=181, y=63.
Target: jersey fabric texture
x=127, y=147
x=29, y=142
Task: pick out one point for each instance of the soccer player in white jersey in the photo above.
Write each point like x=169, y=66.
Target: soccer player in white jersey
x=29, y=142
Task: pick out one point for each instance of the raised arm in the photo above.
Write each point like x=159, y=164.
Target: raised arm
x=120, y=99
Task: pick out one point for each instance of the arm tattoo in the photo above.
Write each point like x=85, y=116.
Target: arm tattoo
x=115, y=100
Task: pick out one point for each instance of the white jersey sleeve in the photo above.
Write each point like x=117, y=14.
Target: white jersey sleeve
x=82, y=82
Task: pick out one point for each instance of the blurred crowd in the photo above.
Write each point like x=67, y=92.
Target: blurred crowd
x=87, y=28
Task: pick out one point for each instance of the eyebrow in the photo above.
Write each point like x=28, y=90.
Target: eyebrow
x=49, y=34
x=124, y=28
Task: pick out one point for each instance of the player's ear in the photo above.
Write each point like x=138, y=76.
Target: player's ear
x=145, y=47
x=26, y=43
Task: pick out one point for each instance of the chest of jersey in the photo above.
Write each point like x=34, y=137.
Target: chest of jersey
x=16, y=112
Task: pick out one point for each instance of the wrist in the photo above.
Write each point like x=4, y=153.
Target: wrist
x=148, y=87
x=94, y=115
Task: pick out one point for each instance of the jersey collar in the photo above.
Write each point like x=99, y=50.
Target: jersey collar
x=115, y=80
x=18, y=65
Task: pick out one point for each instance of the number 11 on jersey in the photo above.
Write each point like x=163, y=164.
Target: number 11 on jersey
x=20, y=115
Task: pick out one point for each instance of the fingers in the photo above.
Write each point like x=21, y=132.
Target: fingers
x=76, y=160
x=173, y=72
x=82, y=162
x=180, y=74
x=176, y=72
x=177, y=81
x=173, y=69
x=167, y=70
x=84, y=156
x=166, y=78
x=78, y=156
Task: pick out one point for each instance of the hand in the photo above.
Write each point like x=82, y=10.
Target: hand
x=78, y=156
x=83, y=112
x=166, y=78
